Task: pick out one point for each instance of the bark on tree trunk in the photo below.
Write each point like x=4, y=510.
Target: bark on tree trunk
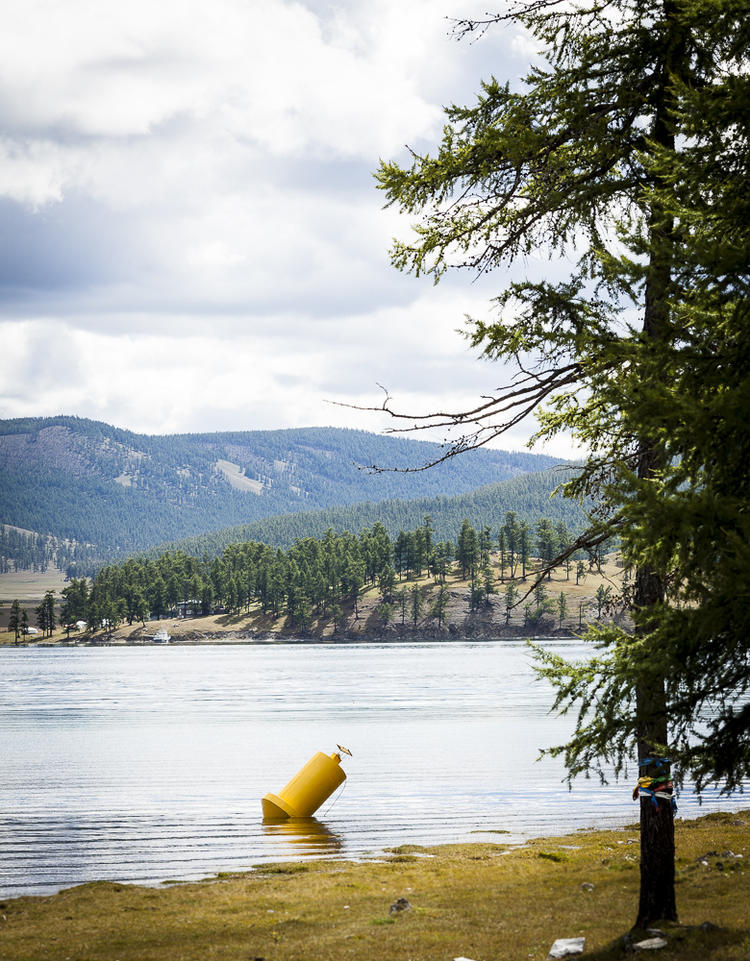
x=657, y=895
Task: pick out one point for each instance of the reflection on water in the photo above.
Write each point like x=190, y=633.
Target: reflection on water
x=149, y=764
x=306, y=835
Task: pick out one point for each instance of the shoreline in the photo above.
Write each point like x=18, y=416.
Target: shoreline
x=240, y=640
x=188, y=633
x=482, y=900
x=484, y=837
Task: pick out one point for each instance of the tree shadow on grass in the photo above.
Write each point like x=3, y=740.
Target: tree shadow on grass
x=704, y=942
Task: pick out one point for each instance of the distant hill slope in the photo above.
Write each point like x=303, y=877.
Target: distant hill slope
x=529, y=495
x=93, y=483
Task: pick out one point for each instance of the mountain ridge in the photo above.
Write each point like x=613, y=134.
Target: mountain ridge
x=92, y=483
x=528, y=495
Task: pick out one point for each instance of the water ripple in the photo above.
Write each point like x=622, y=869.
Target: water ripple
x=148, y=764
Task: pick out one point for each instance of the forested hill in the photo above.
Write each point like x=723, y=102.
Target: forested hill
x=528, y=495
x=90, y=482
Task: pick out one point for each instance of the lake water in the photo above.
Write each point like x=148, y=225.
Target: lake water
x=147, y=764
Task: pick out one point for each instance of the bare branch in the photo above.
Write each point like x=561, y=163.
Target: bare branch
x=511, y=405
x=464, y=26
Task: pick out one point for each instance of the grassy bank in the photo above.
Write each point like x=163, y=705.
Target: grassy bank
x=479, y=901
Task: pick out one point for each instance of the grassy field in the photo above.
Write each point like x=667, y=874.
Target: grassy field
x=28, y=588
x=481, y=901
x=30, y=585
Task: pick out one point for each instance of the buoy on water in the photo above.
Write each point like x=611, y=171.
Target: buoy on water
x=308, y=789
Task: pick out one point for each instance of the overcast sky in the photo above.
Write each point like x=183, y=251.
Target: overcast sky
x=191, y=235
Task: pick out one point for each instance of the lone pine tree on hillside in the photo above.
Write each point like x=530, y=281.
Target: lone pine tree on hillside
x=625, y=154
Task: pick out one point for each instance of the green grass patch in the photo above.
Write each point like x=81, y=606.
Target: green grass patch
x=292, y=867
x=552, y=856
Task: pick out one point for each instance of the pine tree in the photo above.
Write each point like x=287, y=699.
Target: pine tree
x=386, y=581
x=402, y=597
x=416, y=604
x=511, y=538
x=75, y=598
x=440, y=604
x=49, y=608
x=14, y=622
x=524, y=547
x=385, y=612
x=547, y=542
x=602, y=597
x=501, y=548
x=41, y=613
x=625, y=150
x=511, y=597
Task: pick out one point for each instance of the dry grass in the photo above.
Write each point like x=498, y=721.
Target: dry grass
x=477, y=901
x=30, y=585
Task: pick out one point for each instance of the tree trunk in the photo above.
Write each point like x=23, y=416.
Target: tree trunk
x=657, y=894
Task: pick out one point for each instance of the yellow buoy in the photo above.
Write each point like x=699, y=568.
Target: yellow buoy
x=308, y=789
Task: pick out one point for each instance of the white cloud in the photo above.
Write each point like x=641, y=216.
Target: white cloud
x=33, y=172
x=289, y=372
x=219, y=77
x=192, y=237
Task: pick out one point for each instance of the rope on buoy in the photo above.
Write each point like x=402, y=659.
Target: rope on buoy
x=335, y=798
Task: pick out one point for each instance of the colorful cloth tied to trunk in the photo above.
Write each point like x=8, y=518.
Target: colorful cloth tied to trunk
x=660, y=786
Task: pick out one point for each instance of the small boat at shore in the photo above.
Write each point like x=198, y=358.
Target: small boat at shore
x=162, y=636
